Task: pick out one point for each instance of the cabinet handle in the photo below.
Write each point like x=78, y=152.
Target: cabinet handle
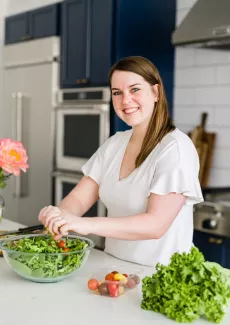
x=215, y=241
x=81, y=81
x=25, y=38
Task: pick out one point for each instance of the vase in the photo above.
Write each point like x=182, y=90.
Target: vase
x=2, y=207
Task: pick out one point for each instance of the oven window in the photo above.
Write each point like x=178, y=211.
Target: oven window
x=81, y=135
x=67, y=188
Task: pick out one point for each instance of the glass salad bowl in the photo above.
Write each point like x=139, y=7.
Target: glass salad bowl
x=40, y=258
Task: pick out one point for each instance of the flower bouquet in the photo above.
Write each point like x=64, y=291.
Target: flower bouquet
x=13, y=159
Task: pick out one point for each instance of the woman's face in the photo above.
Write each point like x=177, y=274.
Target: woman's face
x=133, y=97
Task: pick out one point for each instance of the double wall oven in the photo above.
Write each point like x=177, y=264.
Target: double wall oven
x=82, y=125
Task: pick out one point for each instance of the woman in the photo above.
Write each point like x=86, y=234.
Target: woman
x=147, y=176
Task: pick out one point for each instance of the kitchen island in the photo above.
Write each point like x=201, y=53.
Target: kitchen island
x=23, y=302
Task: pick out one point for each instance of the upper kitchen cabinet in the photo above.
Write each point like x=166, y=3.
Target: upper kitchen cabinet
x=17, y=28
x=97, y=33
x=38, y=23
x=45, y=21
x=86, y=42
x=75, y=38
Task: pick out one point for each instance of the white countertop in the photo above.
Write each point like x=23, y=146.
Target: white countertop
x=23, y=302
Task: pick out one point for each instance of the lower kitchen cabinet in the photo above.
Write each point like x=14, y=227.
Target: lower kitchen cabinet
x=215, y=248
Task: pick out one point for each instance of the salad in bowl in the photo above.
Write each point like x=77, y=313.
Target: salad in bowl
x=40, y=258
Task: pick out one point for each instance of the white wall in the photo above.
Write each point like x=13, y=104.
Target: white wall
x=202, y=84
x=16, y=6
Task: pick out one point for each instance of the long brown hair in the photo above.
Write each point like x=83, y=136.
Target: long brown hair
x=160, y=123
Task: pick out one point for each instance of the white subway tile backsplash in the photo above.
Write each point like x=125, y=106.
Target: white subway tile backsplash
x=223, y=74
x=185, y=57
x=219, y=177
x=214, y=95
x=221, y=158
x=202, y=83
x=222, y=135
x=184, y=114
x=212, y=57
x=185, y=77
x=223, y=117
x=184, y=127
x=193, y=76
x=206, y=96
x=184, y=96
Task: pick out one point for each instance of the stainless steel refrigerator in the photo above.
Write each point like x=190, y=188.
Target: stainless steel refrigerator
x=27, y=114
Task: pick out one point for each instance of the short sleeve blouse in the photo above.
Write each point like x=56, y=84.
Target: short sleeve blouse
x=172, y=166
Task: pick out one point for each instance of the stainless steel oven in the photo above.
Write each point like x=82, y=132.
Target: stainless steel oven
x=64, y=183
x=82, y=125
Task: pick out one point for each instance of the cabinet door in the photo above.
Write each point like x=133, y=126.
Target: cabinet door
x=75, y=43
x=101, y=41
x=213, y=247
x=44, y=22
x=17, y=28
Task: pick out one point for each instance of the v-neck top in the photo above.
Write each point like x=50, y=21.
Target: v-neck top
x=172, y=166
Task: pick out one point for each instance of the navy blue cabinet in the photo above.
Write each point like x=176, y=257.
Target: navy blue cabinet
x=17, y=28
x=97, y=33
x=86, y=42
x=38, y=23
x=45, y=21
x=75, y=43
x=215, y=248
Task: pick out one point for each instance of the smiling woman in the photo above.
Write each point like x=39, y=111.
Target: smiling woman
x=147, y=176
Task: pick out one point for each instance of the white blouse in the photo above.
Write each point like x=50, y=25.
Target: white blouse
x=172, y=166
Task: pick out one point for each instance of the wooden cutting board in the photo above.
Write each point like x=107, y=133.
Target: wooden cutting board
x=204, y=142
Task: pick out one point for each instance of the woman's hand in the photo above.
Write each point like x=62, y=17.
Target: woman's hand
x=60, y=222
x=47, y=213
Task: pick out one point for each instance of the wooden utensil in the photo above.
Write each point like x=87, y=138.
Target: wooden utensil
x=204, y=143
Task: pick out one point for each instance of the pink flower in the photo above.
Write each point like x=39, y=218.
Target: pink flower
x=13, y=157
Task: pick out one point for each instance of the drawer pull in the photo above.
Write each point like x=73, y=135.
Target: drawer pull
x=215, y=241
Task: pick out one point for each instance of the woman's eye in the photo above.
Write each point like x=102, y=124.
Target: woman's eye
x=116, y=93
x=134, y=90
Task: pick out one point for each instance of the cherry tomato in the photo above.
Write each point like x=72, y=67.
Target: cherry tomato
x=66, y=249
x=61, y=244
x=113, y=289
x=126, y=275
x=114, y=272
x=93, y=284
x=110, y=277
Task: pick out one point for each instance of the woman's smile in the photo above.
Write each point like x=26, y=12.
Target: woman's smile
x=131, y=110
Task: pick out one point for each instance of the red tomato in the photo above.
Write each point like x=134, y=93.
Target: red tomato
x=113, y=289
x=66, y=249
x=109, y=277
x=61, y=244
x=93, y=284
